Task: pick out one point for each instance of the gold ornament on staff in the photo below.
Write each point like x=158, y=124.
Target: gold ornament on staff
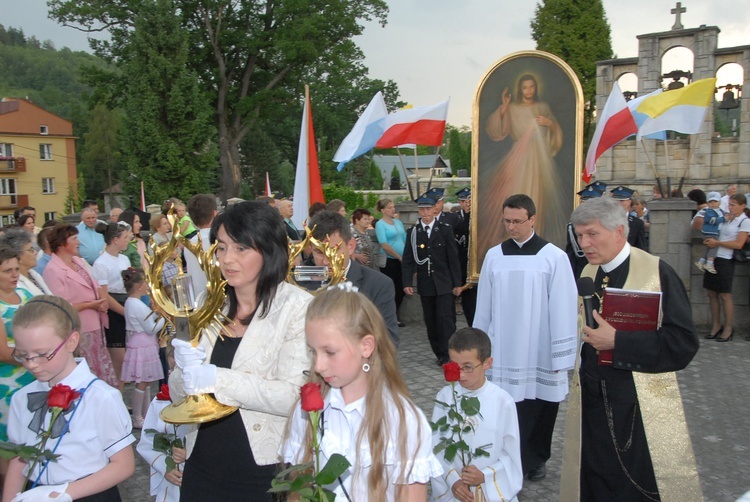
x=188, y=319
x=297, y=274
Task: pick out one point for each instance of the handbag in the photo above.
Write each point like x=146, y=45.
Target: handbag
x=742, y=255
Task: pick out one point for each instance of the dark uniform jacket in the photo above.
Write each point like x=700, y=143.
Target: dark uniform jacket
x=443, y=272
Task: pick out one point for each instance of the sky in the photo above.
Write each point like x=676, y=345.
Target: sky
x=434, y=49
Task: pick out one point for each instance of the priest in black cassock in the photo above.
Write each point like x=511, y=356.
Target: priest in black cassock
x=634, y=439
x=431, y=253
x=462, y=230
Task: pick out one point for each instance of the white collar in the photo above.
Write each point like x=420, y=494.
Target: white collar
x=336, y=401
x=618, y=260
x=520, y=244
x=78, y=379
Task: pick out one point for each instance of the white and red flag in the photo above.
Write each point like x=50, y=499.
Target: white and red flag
x=615, y=123
x=424, y=125
x=307, y=185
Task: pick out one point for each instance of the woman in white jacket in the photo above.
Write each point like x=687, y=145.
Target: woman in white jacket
x=259, y=367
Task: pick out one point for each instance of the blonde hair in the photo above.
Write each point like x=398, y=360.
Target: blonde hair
x=358, y=317
x=51, y=311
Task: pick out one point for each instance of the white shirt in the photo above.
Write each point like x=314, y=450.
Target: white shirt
x=100, y=427
x=527, y=304
x=728, y=232
x=192, y=265
x=140, y=319
x=496, y=426
x=724, y=204
x=163, y=490
x=341, y=425
x=107, y=270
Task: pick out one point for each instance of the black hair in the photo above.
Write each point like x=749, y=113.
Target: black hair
x=359, y=213
x=521, y=201
x=132, y=277
x=59, y=235
x=260, y=227
x=24, y=218
x=328, y=223
x=471, y=338
x=110, y=230
x=697, y=195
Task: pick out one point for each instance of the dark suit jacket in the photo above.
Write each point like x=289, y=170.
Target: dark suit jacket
x=379, y=289
x=461, y=231
x=637, y=233
x=445, y=271
x=448, y=218
x=291, y=232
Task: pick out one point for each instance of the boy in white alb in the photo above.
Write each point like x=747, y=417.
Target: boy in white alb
x=499, y=475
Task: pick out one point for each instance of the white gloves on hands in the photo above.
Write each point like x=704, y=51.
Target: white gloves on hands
x=185, y=355
x=200, y=379
x=44, y=494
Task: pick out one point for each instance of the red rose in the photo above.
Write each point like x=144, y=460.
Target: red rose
x=452, y=372
x=163, y=394
x=61, y=396
x=311, y=398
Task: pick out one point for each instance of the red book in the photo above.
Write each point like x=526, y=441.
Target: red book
x=629, y=310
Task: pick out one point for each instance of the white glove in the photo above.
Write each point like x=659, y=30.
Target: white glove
x=44, y=494
x=199, y=379
x=186, y=355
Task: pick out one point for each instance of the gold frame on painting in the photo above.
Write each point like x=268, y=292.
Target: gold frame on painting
x=556, y=84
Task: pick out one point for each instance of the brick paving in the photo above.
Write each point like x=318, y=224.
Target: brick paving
x=716, y=394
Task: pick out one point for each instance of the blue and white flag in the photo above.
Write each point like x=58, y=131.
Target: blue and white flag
x=365, y=133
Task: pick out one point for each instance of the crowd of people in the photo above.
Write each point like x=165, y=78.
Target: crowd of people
x=98, y=332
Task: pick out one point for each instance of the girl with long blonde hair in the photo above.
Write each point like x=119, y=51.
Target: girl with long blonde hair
x=368, y=416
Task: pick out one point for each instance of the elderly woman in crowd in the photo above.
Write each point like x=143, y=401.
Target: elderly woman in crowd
x=12, y=375
x=361, y=221
x=20, y=241
x=257, y=366
x=67, y=276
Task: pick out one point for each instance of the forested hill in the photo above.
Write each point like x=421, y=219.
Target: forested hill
x=49, y=77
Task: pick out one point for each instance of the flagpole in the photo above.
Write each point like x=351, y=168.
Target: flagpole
x=653, y=167
x=416, y=166
x=403, y=167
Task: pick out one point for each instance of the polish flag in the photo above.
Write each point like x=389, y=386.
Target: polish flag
x=615, y=123
x=268, y=186
x=307, y=185
x=424, y=125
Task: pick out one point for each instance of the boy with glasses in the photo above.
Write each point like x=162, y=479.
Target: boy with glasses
x=495, y=428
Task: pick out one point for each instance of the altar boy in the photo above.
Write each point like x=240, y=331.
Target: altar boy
x=499, y=476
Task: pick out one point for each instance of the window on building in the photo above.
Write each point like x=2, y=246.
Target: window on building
x=6, y=150
x=8, y=188
x=43, y=130
x=45, y=151
x=48, y=185
x=7, y=220
x=50, y=215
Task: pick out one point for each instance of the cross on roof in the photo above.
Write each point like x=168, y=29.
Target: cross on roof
x=678, y=11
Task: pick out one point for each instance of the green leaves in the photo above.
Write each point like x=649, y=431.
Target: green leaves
x=335, y=467
x=456, y=423
x=309, y=487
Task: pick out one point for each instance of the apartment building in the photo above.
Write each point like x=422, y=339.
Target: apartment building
x=37, y=160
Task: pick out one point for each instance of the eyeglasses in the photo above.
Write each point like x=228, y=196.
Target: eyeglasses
x=515, y=222
x=470, y=369
x=38, y=359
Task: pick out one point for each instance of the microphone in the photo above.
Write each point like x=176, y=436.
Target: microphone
x=586, y=292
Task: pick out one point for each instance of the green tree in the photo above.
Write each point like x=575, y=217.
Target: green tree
x=168, y=123
x=100, y=155
x=578, y=32
x=460, y=158
x=251, y=55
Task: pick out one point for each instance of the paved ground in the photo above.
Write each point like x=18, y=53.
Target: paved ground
x=716, y=394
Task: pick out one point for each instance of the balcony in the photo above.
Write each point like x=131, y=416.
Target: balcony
x=13, y=201
x=12, y=165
